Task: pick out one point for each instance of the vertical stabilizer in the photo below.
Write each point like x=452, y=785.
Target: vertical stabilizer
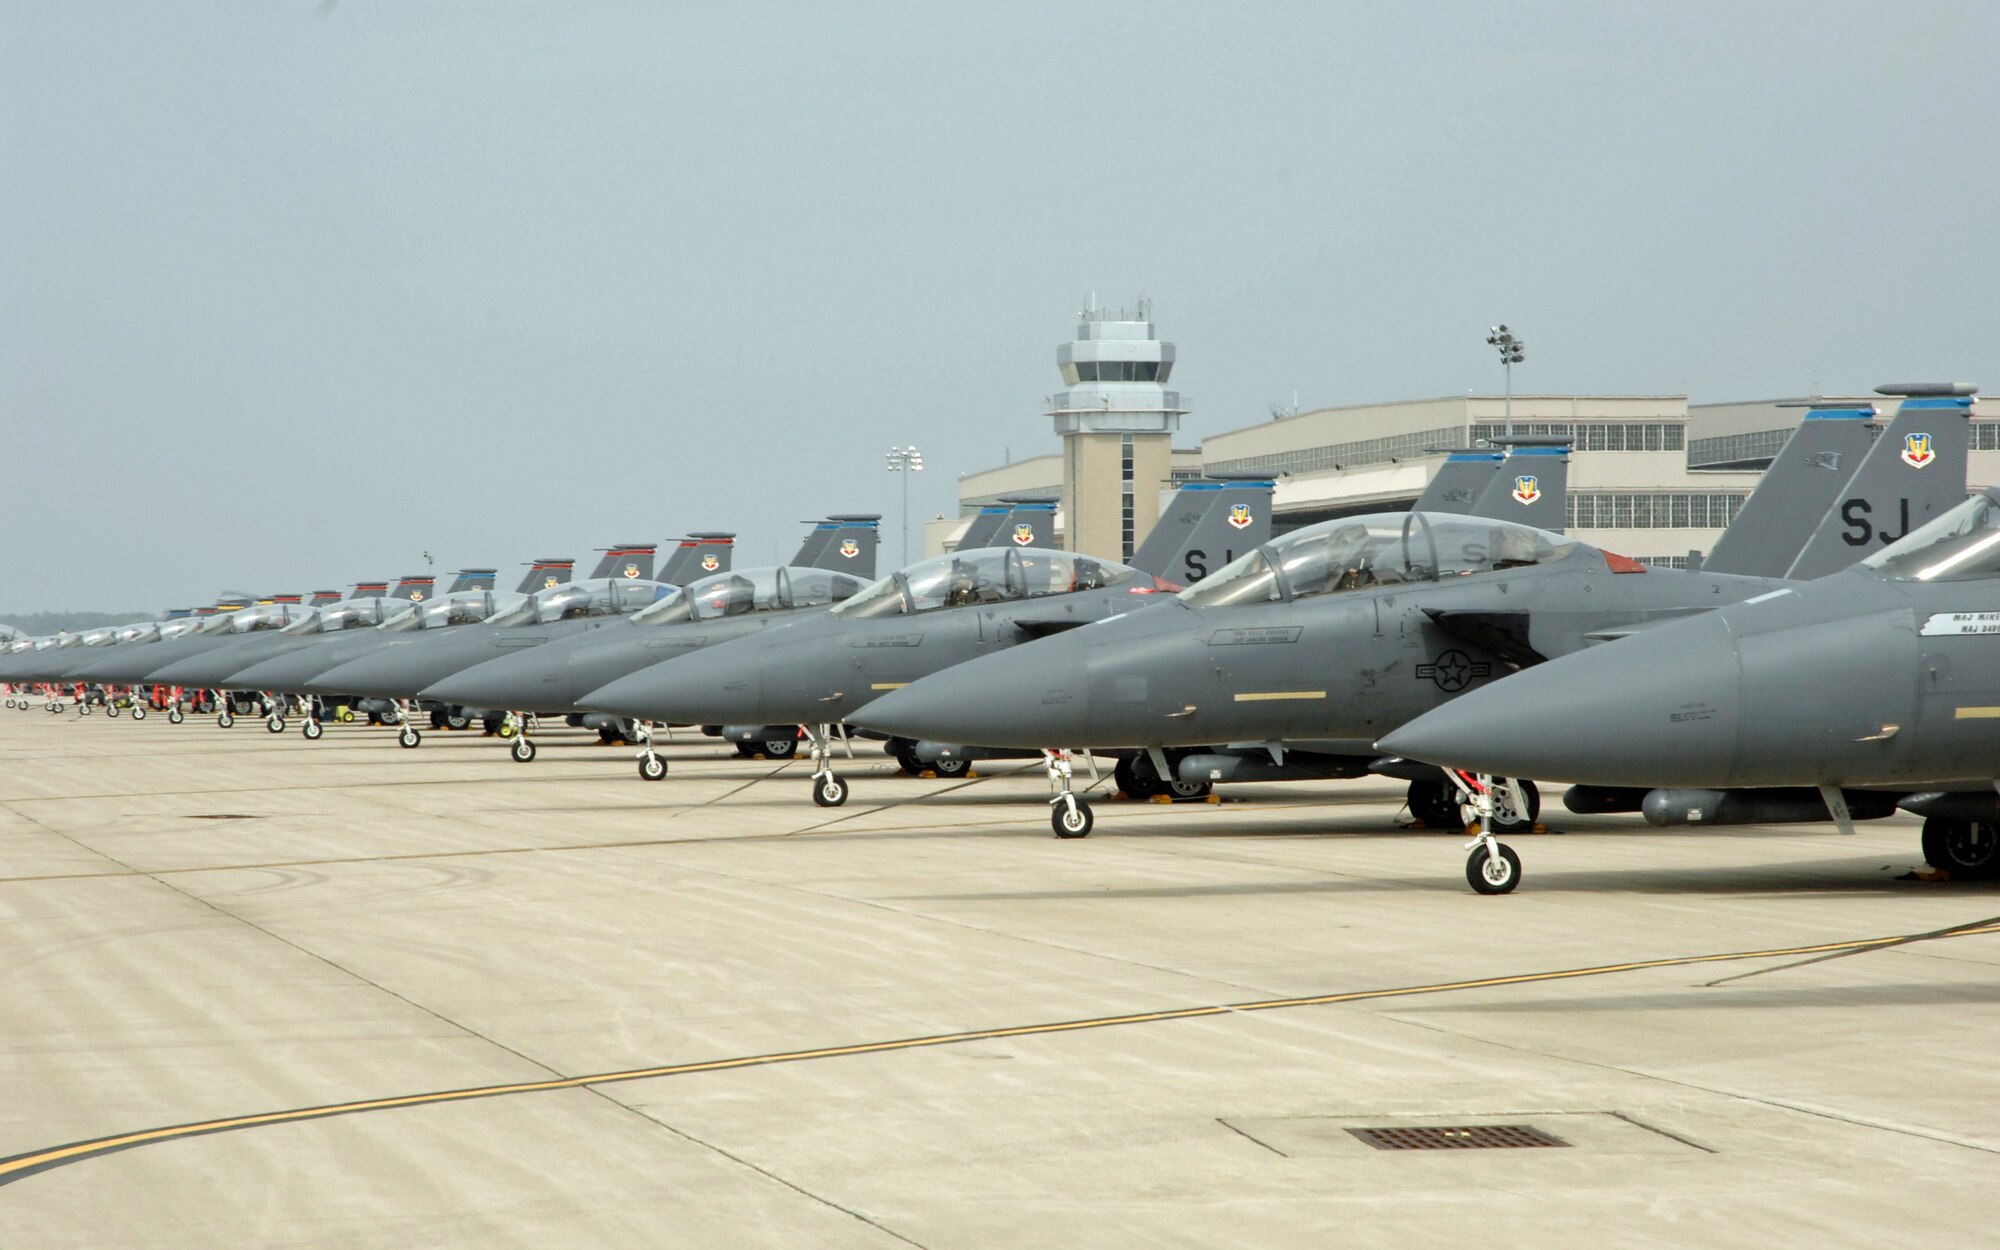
x=322, y=597
x=1915, y=471
x=414, y=588
x=473, y=579
x=1205, y=526
x=1027, y=524
x=1799, y=488
x=850, y=548
x=1531, y=485
x=628, y=560
x=546, y=573
x=1457, y=484
x=370, y=590
x=700, y=554
x=984, y=527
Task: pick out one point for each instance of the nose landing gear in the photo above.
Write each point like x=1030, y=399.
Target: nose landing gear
x=1493, y=805
x=1069, y=815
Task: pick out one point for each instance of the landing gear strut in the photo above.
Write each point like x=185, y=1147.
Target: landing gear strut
x=828, y=789
x=652, y=767
x=1069, y=815
x=1491, y=805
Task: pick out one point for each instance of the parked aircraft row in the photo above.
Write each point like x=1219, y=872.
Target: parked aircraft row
x=1823, y=662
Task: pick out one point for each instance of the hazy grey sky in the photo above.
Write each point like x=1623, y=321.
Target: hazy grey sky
x=290, y=297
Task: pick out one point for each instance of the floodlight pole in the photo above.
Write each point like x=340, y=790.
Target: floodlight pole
x=906, y=460
x=1513, y=350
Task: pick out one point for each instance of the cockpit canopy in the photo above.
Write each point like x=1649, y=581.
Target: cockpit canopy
x=1964, y=542
x=265, y=616
x=744, y=591
x=598, y=596
x=465, y=607
x=1381, y=549
x=988, y=575
x=331, y=618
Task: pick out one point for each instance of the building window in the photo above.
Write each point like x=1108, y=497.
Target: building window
x=1595, y=435
x=1650, y=510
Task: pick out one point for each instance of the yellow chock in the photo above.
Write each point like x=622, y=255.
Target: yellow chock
x=1213, y=797
x=1928, y=873
x=928, y=774
x=1161, y=798
x=1121, y=796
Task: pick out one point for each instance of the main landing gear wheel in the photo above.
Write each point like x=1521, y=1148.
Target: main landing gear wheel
x=1433, y=803
x=1072, y=819
x=409, y=737
x=652, y=767
x=910, y=764
x=781, y=748
x=523, y=751
x=1511, y=819
x=951, y=770
x=224, y=720
x=312, y=729
x=175, y=716
x=829, y=790
x=437, y=719
x=1493, y=868
x=1968, y=850
x=457, y=720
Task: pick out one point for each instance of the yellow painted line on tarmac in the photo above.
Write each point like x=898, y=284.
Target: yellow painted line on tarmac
x=18, y=1167
x=1978, y=713
x=1268, y=696
x=889, y=685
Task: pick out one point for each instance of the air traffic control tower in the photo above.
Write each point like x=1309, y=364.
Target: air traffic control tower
x=1117, y=423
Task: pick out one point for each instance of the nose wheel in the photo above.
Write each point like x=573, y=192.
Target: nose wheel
x=174, y=715
x=523, y=750
x=312, y=729
x=409, y=738
x=828, y=789
x=1491, y=805
x=1069, y=815
x=224, y=720
x=651, y=766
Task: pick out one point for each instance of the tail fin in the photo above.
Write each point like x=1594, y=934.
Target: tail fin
x=473, y=579
x=984, y=526
x=701, y=553
x=1456, y=485
x=816, y=540
x=415, y=589
x=850, y=547
x=1027, y=525
x=1205, y=526
x=369, y=590
x=322, y=597
x=633, y=560
x=547, y=572
x=1803, y=482
x=1915, y=471
x=1531, y=485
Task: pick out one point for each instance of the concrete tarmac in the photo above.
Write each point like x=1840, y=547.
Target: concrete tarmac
x=436, y=998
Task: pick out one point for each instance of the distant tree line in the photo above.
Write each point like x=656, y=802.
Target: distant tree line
x=37, y=623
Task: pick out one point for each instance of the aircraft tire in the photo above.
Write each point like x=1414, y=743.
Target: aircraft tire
x=111, y=710
x=409, y=738
x=523, y=751
x=457, y=720
x=175, y=716
x=275, y=724
x=748, y=750
x=1487, y=877
x=782, y=748
x=1434, y=803
x=1132, y=782
x=437, y=718
x=138, y=713
x=1072, y=824
x=1968, y=850
x=225, y=719
x=312, y=729
x=1516, y=824
x=829, y=791
x=951, y=770
x=910, y=764
x=652, y=768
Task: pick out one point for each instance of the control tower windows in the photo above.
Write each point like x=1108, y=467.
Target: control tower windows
x=1117, y=371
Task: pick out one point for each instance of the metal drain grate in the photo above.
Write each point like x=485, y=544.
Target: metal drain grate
x=1469, y=1137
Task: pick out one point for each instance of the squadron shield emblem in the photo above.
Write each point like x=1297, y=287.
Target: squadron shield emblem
x=1239, y=515
x=1024, y=535
x=631, y=570
x=710, y=563
x=416, y=596
x=1526, y=490
x=549, y=583
x=1917, y=451
x=849, y=548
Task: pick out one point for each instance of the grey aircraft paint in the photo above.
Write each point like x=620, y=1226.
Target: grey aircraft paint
x=985, y=524
x=1529, y=487
x=1205, y=526
x=1459, y=481
x=1915, y=471
x=1804, y=482
x=701, y=553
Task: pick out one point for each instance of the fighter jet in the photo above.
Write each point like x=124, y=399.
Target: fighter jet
x=409, y=661
x=346, y=631
x=815, y=672
x=834, y=563
x=1838, y=699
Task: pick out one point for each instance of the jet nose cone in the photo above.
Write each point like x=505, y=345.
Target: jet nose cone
x=1656, y=709
x=1031, y=696
x=528, y=681
x=383, y=675
x=716, y=688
